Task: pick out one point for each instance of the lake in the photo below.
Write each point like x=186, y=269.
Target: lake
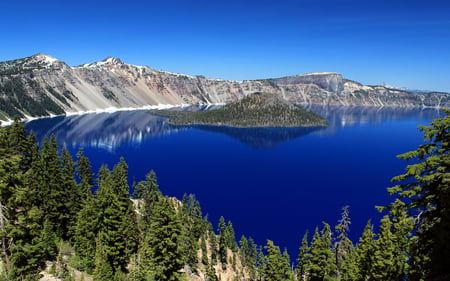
x=271, y=183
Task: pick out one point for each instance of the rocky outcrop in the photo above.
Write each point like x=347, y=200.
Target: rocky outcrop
x=41, y=85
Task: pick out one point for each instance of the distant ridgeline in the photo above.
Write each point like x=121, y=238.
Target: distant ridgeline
x=49, y=214
x=41, y=85
x=255, y=110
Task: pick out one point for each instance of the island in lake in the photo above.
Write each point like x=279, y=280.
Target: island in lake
x=254, y=111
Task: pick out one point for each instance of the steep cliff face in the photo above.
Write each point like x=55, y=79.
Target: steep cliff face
x=42, y=85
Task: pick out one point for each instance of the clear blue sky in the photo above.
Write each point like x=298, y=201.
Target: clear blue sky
x=401, y=43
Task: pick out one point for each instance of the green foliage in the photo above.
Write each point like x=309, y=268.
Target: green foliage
x=321, y=264
x=16, y=99
x=42, y=205
x=256, y=110
x=424, y=190
x=223, y=242
x=163, y=241
x=345, y=263
x=277, y=267
x=84, y=173
x=365, y=251
x=303, y=259
x=383, y=261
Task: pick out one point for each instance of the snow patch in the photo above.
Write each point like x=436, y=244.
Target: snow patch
x=46, y=58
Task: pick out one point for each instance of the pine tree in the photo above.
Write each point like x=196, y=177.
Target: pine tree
x=365, y=252
x=111, y=217
x=163, y=242
x=191, y=216
x=345, y=266
x=24, y=244
x=56, y=210
x=243, y=250
x=223, y=242
x=205, y=260
x=128, y=228
x=402, y=226
x=277, y=267
x=288, y=274
x=103, y=270
x=425, y=189
x=303, y=258
x=84, y=172
x=322, y=264
x=383, y=260
x=252, y=256
x=86, y=230
x=150, y=194
x=72, y=195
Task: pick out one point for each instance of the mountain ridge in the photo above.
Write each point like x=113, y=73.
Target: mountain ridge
x=41, y=85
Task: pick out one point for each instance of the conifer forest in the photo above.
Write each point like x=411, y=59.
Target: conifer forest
x=61, y=218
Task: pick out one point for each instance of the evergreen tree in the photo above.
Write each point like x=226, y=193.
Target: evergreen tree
x=277, y=266
x=163, y=242
x=345, y=267
x=191, y=216
x=111, y=216
x=103, y=270
x=86, y=230
x=149, y=190
x=425, y=188
x=223, y=242
x=56, y=209
x=322, y=264
x=402, y=226
x=251, y=259
x=288, y=274
x=303, y=259
x=84, y=172
x=25, y=245
x=365, y=253
x=261, y=262
x=72, y=195
x=128, y=227
x=383, y=261
x=205, y=260
x=243, y=250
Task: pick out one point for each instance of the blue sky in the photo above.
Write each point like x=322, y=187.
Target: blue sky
x=401, y=43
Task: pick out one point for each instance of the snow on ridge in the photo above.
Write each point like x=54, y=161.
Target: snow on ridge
x=46, y=58
x=116, y=109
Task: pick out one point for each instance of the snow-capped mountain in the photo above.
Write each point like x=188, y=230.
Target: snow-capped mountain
x=41, y=85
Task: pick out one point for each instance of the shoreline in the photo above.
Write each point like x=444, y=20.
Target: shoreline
x=27, y=118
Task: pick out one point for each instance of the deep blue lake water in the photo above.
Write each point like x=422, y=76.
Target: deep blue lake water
x=271, y=183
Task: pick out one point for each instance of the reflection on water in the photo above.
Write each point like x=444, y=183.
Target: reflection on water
x=342, y=116
x=102, y=130
x=260, y=137
x=110, y=130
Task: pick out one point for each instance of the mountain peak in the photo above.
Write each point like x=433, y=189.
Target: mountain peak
x=43, y=58
x=112, y=60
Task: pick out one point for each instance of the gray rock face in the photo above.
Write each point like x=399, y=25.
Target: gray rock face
x=41, y=85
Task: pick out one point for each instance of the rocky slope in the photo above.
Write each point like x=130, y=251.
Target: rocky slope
x=41, y=85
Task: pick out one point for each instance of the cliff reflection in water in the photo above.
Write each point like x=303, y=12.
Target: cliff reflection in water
x=110, y=130
x=102, y=130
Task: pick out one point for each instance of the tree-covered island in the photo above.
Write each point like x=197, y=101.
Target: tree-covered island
x=255, y=110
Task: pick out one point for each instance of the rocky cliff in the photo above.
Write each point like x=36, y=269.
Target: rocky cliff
x=41, y=85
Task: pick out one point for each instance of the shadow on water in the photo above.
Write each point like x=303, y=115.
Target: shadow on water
x=260, y=137
x=110, y=130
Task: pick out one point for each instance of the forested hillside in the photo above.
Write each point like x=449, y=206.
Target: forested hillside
x=255, y=110
x=57, y=216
